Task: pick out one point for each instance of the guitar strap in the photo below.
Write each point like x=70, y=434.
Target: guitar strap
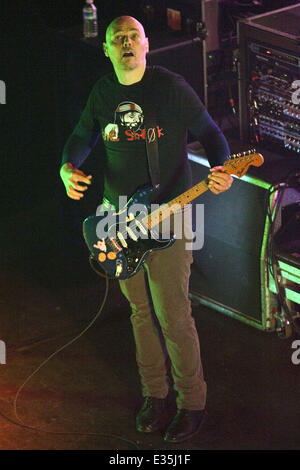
x=151, y=130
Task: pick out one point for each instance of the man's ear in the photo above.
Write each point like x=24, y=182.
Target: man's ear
x=105, y=49
x=147, y=45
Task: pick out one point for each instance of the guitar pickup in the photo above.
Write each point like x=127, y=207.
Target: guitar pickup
x=131, y=234
x=122, y=239
x=141, y=227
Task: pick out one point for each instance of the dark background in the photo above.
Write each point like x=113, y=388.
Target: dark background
x=28, y=151
x=253, y=399
x=30, y=148
x=29, y=155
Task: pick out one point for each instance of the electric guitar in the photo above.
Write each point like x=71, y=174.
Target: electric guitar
x=120, y=241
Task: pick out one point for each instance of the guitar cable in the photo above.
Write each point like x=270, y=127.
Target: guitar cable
x=19, y=422
x=279, y=187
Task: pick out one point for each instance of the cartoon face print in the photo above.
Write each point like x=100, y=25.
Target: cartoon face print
x=130, y=115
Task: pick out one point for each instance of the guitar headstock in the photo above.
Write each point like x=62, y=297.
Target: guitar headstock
x=238, y=164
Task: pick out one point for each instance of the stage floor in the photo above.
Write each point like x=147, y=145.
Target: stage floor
x=49, y=294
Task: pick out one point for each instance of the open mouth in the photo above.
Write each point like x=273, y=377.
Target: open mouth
x=128, y=54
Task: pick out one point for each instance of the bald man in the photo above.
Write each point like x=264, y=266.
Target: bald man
x=161, y=316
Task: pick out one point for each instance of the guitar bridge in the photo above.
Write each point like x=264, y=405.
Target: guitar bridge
x=113, y=244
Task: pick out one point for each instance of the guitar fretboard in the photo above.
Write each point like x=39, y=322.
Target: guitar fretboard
x=235, y=165
x=174, y=205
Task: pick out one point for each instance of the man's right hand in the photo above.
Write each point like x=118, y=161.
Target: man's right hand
x=72, y=177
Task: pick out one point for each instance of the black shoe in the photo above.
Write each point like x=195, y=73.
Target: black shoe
x=185, y=425
x=150, y=417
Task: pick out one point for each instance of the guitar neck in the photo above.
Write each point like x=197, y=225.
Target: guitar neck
x=175, y=204
x=235, y=165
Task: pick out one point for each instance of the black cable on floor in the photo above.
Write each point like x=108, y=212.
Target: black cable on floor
x=20, y=422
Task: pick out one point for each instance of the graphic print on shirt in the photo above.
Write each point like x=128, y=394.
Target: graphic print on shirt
x=129, y=122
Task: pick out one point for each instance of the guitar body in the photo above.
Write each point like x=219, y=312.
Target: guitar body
x=120, y=241
x=110, y=245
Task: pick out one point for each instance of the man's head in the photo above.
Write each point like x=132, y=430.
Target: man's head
x=126, y=44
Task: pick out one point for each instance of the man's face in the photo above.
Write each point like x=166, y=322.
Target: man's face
x=126, y=44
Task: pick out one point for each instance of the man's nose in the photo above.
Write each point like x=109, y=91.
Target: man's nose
x=126, y=40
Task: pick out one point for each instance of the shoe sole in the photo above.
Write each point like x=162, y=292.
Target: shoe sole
x=147, y=430
x=186, y=438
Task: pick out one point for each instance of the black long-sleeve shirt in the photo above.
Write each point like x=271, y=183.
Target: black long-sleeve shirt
x=115, y=112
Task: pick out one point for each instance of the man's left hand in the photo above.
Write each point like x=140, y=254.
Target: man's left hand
x=219, y=181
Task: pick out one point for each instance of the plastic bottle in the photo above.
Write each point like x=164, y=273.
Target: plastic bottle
x=90, y=24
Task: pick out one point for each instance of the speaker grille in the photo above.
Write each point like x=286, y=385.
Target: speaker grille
x=227, y=269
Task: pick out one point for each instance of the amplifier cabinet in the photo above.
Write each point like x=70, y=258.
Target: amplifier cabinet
x=229, y=272
x=269, y=80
